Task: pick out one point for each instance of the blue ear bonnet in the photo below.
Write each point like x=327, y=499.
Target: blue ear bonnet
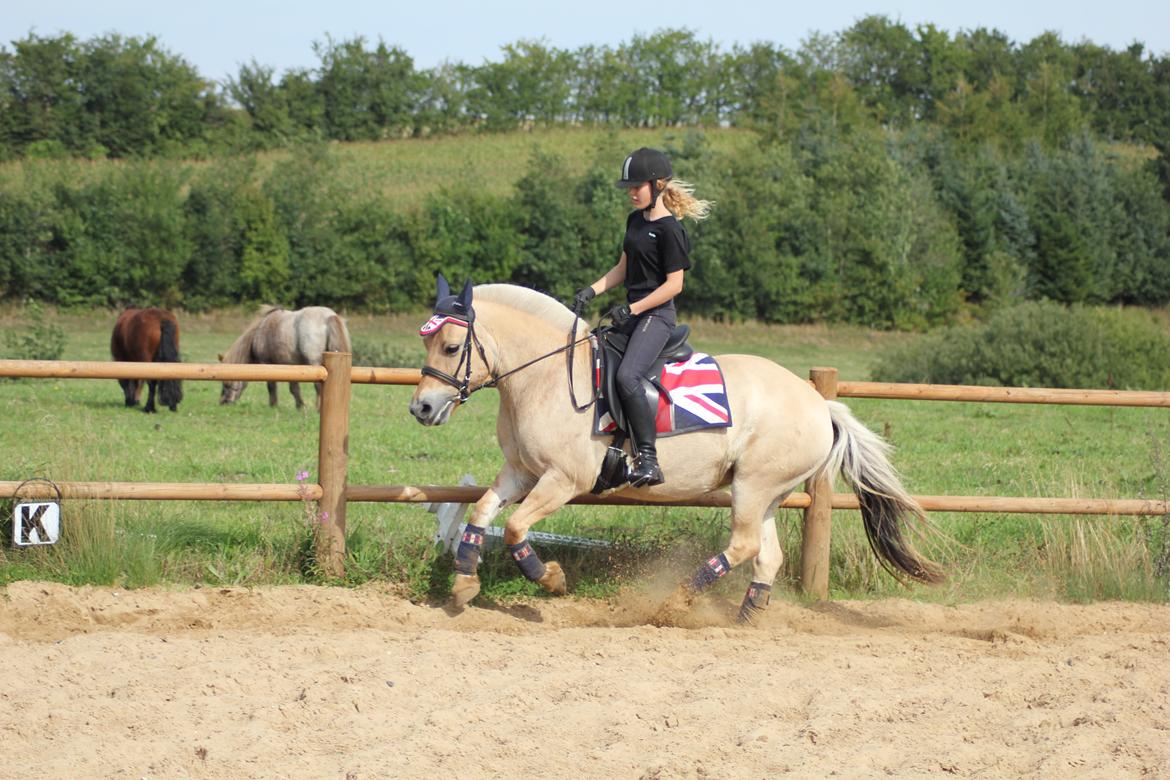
x=449, y=308
x=448, y=304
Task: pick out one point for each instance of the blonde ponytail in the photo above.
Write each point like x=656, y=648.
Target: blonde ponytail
x=679, y=198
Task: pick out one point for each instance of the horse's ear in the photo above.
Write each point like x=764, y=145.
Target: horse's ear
x=444, y=289
x=465, y=296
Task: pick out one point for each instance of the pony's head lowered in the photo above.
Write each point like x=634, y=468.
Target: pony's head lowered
x=241, y=352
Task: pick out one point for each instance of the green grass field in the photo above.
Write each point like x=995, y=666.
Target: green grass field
x=79, y=430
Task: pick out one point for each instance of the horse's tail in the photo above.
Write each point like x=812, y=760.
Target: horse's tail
x=170, y=390
x=337, y=339
x=862, y=459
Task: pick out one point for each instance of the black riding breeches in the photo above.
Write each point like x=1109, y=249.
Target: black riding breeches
x=648, y=335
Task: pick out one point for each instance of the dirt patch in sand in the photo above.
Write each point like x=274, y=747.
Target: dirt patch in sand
x=323, y=682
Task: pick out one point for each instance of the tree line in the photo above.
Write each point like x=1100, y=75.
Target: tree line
x=115, y=96
x=897, y=178
x=836, y=221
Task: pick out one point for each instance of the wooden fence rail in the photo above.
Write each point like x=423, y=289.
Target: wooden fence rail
x=221, y=372
x=333, y=492
x=1003, y=395
x=166, y=491
x=439, y=494
x=442, y=494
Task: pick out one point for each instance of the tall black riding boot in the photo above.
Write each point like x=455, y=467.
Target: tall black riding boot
x=640, y=414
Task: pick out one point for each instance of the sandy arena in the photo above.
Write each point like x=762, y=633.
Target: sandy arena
x=310, y=682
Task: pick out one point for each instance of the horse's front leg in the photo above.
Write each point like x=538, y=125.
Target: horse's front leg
x=552, y=491
x=509, y=484
x=129, y=391
x=271, y=393
x=295, y=389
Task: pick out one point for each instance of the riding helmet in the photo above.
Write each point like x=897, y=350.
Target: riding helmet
x=644, y=165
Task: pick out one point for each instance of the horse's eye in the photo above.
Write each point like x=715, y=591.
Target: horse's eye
x=451, y=349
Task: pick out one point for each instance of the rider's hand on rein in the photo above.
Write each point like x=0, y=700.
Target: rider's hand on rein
x=621, y=314
x=583, y=296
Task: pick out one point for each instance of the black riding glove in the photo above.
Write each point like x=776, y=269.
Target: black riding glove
x=621, y=314
x=583, y=296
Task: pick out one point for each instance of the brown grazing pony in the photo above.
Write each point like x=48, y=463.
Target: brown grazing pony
x=148, y=336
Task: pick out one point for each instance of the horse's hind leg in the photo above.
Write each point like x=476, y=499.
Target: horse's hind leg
x=271, y=393
x=149, y=408
x=751, y=499
x=764, y=568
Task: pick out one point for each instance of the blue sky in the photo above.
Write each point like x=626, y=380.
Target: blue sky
x=216, y=36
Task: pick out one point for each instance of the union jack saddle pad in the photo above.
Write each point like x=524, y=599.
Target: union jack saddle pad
x=695, y=398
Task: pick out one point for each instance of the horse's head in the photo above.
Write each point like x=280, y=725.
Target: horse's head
x=231, y=390
x=454, y=362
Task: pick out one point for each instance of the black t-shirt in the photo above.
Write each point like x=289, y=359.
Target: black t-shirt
x=653, y=249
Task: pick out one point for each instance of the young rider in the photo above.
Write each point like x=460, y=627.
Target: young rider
x=655, y=256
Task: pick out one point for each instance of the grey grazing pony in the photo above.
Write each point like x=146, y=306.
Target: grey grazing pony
x=298, y=337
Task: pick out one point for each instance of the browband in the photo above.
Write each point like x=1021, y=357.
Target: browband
x=438, y=321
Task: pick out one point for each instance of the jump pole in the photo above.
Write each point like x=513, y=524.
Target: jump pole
x=818, y=517
x=333, y=463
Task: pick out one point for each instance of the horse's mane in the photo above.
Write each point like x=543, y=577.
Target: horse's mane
x=241, y=349
x=531, y=301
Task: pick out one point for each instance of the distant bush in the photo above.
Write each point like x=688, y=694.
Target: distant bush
x=37, y=339
x=859, y=227
x=374, y=353
x=1041, y=344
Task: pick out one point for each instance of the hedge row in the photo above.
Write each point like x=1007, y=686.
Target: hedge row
x=879, y=229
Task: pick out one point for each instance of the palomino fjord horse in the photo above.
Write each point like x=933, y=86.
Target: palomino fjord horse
x=300, y=337
x=783, y=433
x=148, y=336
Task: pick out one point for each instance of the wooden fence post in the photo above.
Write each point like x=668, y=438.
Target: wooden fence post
x=818, y=517
x=333, y=463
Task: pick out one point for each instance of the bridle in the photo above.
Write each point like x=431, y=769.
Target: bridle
x=463, y=385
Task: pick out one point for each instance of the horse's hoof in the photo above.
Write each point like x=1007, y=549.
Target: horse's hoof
x=755, y=601
x=554, y=579
x=466, y=588
x=749, y=614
